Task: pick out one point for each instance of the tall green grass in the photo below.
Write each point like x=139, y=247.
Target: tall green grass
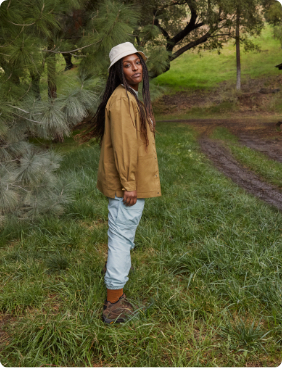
x=207, y=262
x=205, y=70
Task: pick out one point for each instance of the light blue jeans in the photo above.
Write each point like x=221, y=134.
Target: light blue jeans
x=123, y=222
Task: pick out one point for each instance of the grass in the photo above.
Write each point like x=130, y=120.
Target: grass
x=207, y=262
x=205, y=70
x=207, y=269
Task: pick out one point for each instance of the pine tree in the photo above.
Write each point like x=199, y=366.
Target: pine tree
x=31, y=40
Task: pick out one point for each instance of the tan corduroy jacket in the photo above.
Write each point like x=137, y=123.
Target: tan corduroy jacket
x=125, y=161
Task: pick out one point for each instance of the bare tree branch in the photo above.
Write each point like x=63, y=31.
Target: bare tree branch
x=164, y=32
x=22, y=25
x=160, y=10
x=191, y=45
x=189, y=28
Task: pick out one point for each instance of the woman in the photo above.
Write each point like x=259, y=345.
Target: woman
x=128, y=168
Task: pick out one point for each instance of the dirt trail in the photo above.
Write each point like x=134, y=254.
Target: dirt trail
x=271, y=148
x=224, y=162
x=265, y=137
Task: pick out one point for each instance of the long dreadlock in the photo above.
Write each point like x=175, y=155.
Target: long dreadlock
x=116, y=77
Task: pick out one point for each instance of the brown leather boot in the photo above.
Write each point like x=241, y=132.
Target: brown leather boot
x=117, y=312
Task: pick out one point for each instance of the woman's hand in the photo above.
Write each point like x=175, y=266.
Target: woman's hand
x=129, y=198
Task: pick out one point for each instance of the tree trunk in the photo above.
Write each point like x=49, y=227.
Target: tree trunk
x=51, y=77
x=238, y=57
x=69, y=64
x=51, y=71
x=35, y=78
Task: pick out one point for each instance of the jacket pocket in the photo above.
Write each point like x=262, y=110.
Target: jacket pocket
x=147, y=173
x=111, y=178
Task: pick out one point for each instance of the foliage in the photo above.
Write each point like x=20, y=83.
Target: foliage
x=179, y=26
x=273, y=16
x=273, y=12
x=31, y=39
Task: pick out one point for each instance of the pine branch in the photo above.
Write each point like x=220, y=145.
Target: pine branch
x=22, y=25
x=78, y=49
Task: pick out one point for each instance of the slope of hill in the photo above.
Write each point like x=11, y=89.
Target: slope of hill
x=204, y=70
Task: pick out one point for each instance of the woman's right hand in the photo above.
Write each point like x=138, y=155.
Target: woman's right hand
x=130, y=198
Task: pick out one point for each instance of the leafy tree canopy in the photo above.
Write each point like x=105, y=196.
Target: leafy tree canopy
x=273, y=16
x=168, y=28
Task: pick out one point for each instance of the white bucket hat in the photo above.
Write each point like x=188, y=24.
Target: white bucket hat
x=122, y=50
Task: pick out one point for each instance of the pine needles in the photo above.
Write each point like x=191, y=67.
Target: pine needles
x=35, y=106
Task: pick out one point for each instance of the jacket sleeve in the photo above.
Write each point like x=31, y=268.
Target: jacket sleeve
x=122, y=116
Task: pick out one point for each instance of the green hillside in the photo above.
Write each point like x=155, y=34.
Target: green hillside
x=193, y=70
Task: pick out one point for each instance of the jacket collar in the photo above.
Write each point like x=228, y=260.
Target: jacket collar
x=136, y=92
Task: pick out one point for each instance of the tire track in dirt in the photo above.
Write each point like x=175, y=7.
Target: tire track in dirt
x=271, y=148
x=255, y=135
x=226, y=163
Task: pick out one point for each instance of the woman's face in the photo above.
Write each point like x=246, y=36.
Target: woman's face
x=132, y=70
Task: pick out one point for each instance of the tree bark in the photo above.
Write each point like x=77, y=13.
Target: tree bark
x=51, y=78
x=69, y=64
x=238, y=56
x=51, y=71
x=35, y=79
